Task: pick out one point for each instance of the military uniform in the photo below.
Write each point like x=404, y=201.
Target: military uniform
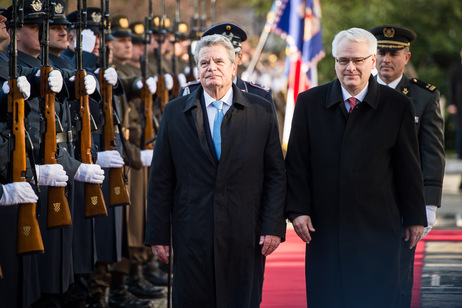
x=429, y=128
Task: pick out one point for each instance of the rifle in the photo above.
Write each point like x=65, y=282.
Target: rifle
x=93, y=196
x=118, y=193
x=146, y=96
x=179, y=29
x=58, y=213
x=29, y=236
x=193, y=35
x=162, y=92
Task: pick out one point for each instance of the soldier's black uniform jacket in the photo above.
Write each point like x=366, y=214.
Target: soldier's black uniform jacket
x=245, y=86
x=429, y=127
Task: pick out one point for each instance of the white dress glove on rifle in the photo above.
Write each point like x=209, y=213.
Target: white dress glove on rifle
x=89, y=173
x=23, y=85
x=17, y=193
x=88, y=40
x=182, y=80
x=110, y=159
x=151, y=83
x=55, y=80
x=51, y=175
x=168, y=81
x=110, y=74
x=89, y=82
x=431, y=219
x=146, y=157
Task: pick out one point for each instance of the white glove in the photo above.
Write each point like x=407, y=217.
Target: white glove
x=146, y=157
x=88, y=40
x=90, y=83
x=23, y=85
x=89, y=173
x=168, y=81
x=51, y=175
x=150, y=82
x=55, y=80
x=110, y=75
x=109, y=159
x=182, y=80
x=17, y=193
x=431, y=218
x=152, y=85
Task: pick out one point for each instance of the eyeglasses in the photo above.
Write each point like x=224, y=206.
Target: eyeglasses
x=356, y=61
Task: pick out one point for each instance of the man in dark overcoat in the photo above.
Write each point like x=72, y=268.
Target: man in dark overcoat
x=225, y=200
x=352, y=173
x=393, y=53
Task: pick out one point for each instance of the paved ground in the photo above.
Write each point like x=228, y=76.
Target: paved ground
x=442, y=271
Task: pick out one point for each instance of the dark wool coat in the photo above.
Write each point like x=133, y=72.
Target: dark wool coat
x=355, y=175
x=219, y=210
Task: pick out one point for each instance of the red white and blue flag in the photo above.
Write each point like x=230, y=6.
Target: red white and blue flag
x=299, y=23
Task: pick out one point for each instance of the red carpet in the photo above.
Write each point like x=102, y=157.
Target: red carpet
x=284, y=284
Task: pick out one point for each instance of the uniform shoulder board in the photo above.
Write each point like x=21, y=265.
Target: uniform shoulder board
x=424, y=85
x=259, y=86
x=191, y=83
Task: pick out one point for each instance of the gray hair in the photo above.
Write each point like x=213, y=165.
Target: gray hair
x=215, y=39
x=356, y=35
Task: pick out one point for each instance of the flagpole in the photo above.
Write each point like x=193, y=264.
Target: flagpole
x=261, y=44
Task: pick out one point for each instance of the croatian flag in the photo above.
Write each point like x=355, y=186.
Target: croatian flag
x=299, y=23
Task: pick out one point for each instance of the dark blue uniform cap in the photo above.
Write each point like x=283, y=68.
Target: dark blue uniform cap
x=392, y=37
x=232, y=31
x=94, y=19
x=59, y=18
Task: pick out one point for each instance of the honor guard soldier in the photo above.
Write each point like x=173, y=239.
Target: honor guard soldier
x=236, y=35
x=129, y=288
x=393, y=53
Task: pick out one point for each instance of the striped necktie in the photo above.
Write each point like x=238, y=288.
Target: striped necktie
x=352, y=101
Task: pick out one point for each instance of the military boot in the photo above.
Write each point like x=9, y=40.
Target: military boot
x=140, y=287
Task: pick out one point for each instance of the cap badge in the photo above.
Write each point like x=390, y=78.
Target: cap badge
x=59, y=8
x=389, y=32
x=139, y=29
x=96, y=17
x=228, y=28
x=36, y=5
x=123, y=22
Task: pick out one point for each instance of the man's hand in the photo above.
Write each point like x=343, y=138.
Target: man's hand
x=161, y=252
x=270, y=243
x=413, y=235
x=303, y=226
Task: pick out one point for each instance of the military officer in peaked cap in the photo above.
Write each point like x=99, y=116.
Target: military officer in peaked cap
x=393, y=44
x=236, y=35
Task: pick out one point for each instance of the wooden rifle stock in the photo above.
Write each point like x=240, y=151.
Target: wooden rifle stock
x=162, y=91
x=29, y=236
x=176, y=87
x=93, y=196
x=58, y=213
x=118, y=193
x=148, y=132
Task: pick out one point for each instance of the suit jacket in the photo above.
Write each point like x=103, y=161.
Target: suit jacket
x=429, y=125
x=356, y=175
x=219, y=209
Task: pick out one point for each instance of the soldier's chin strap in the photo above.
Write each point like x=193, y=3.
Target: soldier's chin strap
x=30, y=154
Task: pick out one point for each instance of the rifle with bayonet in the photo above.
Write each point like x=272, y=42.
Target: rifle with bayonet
x=179, y=29
x=58, y=213
x=118, y=193
x=193, y=36
x=146, y=96
x=93, y=195
x=162, y=92
x=29, y=237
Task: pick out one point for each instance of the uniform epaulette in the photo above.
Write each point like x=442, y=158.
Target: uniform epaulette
x=259, y=86
x=191, y=83
x=422, y=84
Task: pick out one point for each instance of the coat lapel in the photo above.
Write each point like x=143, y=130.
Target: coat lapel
x=193, y=105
